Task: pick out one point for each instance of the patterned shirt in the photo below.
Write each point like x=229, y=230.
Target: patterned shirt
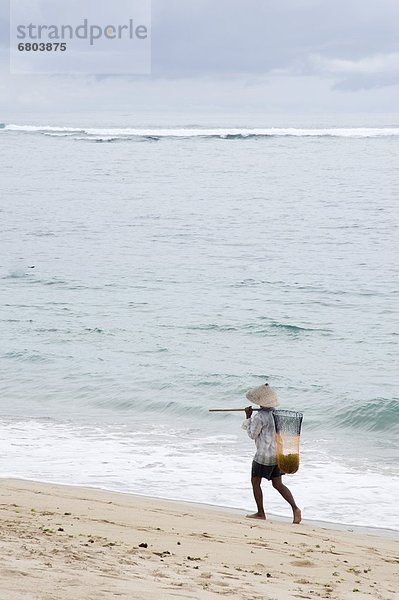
x=260, y=427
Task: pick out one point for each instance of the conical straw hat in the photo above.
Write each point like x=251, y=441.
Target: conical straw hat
x=263, y=396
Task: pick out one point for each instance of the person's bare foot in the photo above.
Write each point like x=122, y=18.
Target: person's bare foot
x=297, y=516
x=257, y=516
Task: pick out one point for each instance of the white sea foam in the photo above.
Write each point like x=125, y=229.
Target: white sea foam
x=235, y=132
x=183, y=466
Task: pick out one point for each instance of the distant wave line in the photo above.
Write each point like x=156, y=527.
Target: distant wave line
x=154, y=133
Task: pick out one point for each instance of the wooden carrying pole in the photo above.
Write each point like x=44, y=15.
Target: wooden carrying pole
x=228, y=409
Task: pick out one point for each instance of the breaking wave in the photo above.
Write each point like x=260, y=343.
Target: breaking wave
x=379, y=414
x=113, y=134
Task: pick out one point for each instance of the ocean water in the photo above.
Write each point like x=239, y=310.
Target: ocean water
x=152, y=271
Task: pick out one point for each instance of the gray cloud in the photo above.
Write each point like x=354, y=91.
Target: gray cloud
x=257, y=36
x=366, y=82
x=245, y=55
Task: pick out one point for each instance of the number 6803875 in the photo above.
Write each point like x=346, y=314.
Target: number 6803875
x=42, y=47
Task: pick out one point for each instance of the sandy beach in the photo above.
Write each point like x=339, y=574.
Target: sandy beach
x=61, y=542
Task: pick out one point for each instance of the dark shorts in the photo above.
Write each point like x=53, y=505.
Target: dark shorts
x=266, y=471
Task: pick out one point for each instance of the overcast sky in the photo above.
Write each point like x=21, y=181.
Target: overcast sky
x=286, y=56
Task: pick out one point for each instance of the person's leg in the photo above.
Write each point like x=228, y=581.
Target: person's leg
x=288, y=497
x=258, y=495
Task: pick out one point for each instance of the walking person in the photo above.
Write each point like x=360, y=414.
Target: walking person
x=260, y=428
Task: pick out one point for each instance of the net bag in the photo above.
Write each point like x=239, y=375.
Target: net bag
x=288, y=430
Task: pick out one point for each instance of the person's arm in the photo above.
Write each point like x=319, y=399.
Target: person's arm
x=252, y=425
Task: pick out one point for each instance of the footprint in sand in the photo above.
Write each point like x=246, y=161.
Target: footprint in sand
x=159, y=573
x=391, y=560
x=302, y=563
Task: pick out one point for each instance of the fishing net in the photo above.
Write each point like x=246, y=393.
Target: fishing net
x=288, y=430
